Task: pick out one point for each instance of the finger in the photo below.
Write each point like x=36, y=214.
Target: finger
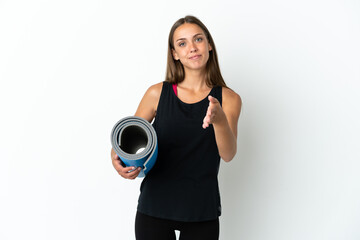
x=208, y=114
x=133, y=174
x=126, y=170
x=208, y=119
x=204, y=125
x=206, y=122
x=209, y=110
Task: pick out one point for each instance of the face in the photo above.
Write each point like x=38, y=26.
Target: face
x=191, y=46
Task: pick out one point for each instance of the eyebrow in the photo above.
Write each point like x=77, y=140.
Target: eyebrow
x=193, y=37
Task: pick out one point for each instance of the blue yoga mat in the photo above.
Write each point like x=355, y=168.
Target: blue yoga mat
x=134, y=141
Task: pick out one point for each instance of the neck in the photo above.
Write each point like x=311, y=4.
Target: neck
x=195, y=80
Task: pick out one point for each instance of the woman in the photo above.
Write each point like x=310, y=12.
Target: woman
x=196, y=118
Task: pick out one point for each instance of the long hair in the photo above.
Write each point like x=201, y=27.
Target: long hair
x=175, y=71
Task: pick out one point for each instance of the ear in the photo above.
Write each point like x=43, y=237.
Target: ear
x=210, y=48
x=175, y=56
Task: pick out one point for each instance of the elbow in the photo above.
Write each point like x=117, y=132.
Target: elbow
x=228, y=158
x=229, y=155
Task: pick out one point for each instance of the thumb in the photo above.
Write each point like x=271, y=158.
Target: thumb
x=212, y=99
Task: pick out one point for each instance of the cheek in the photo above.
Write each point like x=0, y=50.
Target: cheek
x=207, y=53
x=178, y=54
x=182, y=56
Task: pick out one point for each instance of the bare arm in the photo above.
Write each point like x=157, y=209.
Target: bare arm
x=148, y=105
x=147, y=110
x=224, y=120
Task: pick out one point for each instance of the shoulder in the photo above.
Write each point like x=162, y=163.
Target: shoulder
x=154, y=91
x=231, y=99
x=148, y=104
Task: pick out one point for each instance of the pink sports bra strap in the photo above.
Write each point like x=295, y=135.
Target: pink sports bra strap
x=175, y=88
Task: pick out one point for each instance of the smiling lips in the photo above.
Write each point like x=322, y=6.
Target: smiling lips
x=195, y=57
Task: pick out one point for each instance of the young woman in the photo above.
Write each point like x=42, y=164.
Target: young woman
x=196, y=118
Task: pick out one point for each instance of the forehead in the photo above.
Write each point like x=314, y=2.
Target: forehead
x=187, y=30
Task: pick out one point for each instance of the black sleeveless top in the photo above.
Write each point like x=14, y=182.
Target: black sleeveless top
x=183, y=184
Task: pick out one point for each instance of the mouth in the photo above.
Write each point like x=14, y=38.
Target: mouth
x=195, y=57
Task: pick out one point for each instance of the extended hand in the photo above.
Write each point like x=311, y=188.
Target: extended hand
x=214, y=114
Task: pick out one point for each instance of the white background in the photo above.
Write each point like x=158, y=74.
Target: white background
x=70, y=69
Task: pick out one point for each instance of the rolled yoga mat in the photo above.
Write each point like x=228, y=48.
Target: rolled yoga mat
x=134, y=141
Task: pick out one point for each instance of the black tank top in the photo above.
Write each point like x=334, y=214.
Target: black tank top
x=183, y=184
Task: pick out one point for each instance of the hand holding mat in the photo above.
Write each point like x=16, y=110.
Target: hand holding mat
x=134, y=141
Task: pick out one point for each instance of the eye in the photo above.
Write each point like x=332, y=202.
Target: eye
x=199, y=39
x=181, y=44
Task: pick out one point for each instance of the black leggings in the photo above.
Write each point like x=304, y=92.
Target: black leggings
x=151, y=228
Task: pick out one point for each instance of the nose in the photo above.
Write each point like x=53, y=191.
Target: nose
x=193, y=47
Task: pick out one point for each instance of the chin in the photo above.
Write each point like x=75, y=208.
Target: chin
x=195, y=66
